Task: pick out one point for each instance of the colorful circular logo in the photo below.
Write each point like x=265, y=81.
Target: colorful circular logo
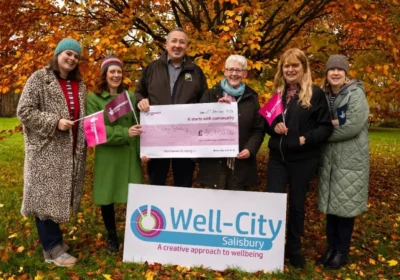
x=148, y=221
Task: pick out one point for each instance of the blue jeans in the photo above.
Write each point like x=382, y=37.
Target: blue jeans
x=50, y=234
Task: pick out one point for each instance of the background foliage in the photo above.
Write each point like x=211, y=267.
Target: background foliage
x=366, y=31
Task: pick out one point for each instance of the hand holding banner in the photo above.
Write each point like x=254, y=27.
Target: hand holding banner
x=272, y=108
x=95, y=129
x=190, y=131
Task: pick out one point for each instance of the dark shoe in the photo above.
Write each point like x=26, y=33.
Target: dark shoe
x=338, y=260
x=113, y=246
x=326, y=257
x=296, y=259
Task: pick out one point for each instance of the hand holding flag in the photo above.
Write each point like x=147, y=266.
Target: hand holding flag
x=119, y=106
x=272, y=108
x=95, y=129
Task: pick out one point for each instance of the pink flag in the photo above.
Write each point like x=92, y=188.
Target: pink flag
x=121, y=105
x=272, y=108
x=95, y=130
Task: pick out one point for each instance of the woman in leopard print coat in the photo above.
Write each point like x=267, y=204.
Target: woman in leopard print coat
x=55, y=147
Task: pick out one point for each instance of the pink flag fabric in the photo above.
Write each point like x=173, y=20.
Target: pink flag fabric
x=119, y=106
x=95, y=129
x=272, y=108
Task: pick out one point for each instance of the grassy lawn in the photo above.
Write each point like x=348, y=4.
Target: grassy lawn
x=374, y=252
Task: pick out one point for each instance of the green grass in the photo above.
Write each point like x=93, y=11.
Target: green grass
x=375, y=239
x=8, y=123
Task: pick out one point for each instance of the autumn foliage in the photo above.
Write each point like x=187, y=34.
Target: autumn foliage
x=374, y=253
x=366, y=31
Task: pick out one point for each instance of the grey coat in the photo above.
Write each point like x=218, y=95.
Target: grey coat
x=344, y=166
x=53, y=175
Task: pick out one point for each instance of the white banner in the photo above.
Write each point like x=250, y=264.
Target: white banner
x=214, y=228
x=190, y=131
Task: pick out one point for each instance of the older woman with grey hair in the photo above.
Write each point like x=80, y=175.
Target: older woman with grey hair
x=239, y=173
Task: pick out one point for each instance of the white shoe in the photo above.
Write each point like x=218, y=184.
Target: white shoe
x=64, y=260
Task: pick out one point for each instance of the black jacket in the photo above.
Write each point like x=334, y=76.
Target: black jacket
x=155, y=84
x=313, y=123
x=251, y=137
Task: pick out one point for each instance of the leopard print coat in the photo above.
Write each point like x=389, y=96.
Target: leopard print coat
x=53, y=176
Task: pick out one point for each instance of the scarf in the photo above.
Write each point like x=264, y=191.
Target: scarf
x=291, y=91
x=235, y=92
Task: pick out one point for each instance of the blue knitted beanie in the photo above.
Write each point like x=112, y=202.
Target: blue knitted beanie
x=68, y=44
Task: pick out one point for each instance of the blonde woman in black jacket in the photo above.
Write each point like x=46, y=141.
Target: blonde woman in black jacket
x=295, y=141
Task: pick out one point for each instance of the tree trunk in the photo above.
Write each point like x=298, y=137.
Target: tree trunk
x=8, y=104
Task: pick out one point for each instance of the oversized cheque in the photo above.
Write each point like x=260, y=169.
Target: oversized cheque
x=190, y=130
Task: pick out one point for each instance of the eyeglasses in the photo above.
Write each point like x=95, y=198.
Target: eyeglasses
x=231, y=70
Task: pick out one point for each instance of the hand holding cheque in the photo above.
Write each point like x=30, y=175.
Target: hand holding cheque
x=190, y=130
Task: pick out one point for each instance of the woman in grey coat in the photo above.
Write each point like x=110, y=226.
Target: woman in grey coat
x=344, y=167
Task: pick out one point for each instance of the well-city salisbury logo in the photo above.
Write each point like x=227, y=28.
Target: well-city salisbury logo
x=253, y=231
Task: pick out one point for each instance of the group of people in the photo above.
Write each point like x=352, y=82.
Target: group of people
x=320, y=131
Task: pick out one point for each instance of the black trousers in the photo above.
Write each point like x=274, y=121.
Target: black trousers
x=49, y=233
x=339, y=231
x=108, y=214
x=297, y=175
x=182, y=169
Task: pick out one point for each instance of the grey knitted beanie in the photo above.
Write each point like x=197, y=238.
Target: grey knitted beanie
x=337, y=61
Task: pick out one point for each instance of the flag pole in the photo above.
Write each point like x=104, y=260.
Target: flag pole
x=78, y=119
x=87, y=116
x=283, y=112
x=133, y=109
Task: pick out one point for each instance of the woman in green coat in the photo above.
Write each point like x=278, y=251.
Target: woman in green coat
x=344, y=167
x=116, y=162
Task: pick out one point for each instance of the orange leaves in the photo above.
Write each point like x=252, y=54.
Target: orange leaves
x=229, y=13
x=229, y=1
x=3, y=255
x=224, y=28
x=149, y=274
x=5, y=90
x=127, y=80
x=158, y=271
x=20, y=249
x=375, y=231
x=14, y=235
x=318, y=269
x=258, y=65
x=255, y=47
x=80, y=218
